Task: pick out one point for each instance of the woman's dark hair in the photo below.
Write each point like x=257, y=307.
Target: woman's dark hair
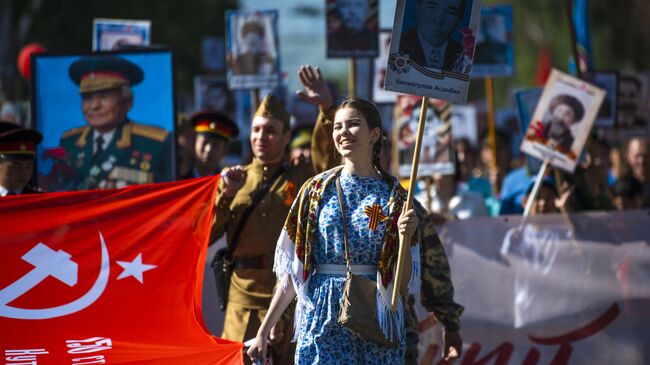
x=371, y=115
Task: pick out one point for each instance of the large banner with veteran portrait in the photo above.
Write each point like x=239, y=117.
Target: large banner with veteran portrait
x=107, y=119
x=252, y=49
x=562, y=120
x=432, y=48
x=352, y=28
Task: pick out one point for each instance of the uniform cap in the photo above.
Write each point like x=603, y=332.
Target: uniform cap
x=214, y=123
x=97, y=73
x=301, y=136
x=19, y=143
x=272, y=108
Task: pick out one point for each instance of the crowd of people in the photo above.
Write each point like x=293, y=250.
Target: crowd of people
x=317, y=203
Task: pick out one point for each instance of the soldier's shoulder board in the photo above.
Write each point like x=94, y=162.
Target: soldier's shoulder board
x=151, y=132
x=73, y=132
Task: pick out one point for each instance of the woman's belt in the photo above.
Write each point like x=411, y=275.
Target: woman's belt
x=342, y=269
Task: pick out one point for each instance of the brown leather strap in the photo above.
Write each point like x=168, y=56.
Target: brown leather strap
x=345, y=225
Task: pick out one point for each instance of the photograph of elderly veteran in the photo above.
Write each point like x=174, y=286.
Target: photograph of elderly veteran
x=112, y=151
x=429, y=42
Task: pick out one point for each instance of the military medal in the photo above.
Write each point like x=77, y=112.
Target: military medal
x=106, y=166
x=145, y=166
x=375, y=214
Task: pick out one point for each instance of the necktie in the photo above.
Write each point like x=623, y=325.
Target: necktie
x=434, y=58
x=99, y=141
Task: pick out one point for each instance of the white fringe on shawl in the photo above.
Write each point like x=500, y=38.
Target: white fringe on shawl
x=389, y=321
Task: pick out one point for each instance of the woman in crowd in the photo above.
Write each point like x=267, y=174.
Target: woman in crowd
x=310, y=259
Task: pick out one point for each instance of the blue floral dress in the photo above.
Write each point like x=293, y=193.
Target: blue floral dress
x=321, y=340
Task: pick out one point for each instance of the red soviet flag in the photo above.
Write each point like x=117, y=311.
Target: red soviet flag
x=108, y=277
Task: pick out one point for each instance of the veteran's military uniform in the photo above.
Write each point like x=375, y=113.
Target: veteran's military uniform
x=437, y=291
x=253, y=281
x=137, y=154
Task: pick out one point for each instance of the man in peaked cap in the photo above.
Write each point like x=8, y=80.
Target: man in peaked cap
x=112, y=151
x=213, y=134
x=17, y=152
x=252, y=220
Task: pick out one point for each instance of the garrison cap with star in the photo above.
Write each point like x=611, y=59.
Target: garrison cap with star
x=18, y=143
x=214, y=124
x=272, y=108
x=98, y=73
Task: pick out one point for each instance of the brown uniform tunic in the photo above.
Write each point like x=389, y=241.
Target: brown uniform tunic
x=251, y=287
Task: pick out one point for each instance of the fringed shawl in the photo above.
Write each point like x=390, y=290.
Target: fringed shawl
x=295, y=247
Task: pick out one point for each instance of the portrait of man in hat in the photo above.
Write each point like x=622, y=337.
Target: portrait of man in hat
x=111, y=150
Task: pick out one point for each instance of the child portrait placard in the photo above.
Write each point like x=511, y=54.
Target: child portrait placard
x=494, y=52
x=107, y=119
x=352, y=28
x=430, y=57
x=437, y=155
x=116, y=34
x=253, y=51
x=562, y=120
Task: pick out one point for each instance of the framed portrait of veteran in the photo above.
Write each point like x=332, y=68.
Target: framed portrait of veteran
x=494, y=52
x=114, y=34
x=211, y=93
x=379, y=95
x=252, y=49
x=352, y=28
x=436, y=156
x=107, y=119
x=608, y=81
x=432, y=48
x=562, y=120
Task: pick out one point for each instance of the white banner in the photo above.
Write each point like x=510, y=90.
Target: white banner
x=555, y=290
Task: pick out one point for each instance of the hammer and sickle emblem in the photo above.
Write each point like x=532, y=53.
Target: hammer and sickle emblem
x=59, y=265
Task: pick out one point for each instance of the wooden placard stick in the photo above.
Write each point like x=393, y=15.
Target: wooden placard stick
x=405, y=242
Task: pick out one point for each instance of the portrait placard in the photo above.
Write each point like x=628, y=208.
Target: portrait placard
x=607, y=81
x=115, y=34
x=430, y=57
x=379, y=95
x=211, y=93
x=562, y=120
x=352, y=28
x=213, y=54
x=494, y=52
x=107, y=119
x=437, y=155
x=464, y=123
x=527, y=100
x=252, y=48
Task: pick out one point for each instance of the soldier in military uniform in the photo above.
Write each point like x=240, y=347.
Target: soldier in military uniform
x=17, y=151
x=436, y=294
x=113, y=151
x=253, y=281
x=214, y=131
x=437, y=291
